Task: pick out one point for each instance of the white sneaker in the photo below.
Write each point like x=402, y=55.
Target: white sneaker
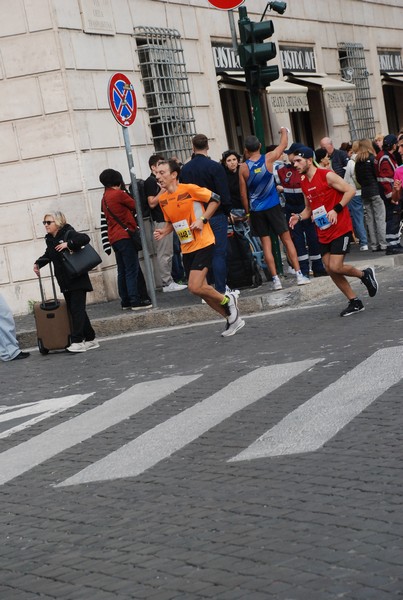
x=364, y=248
x=91, y=344
x=229, y=291
x=231, y=329
x=174, y=287
x=232, y=307
x=77, y=347
x=302, y=280
x=277, y=283
x=290, y=271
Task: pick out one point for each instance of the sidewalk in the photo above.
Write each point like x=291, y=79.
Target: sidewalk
x=181, y=308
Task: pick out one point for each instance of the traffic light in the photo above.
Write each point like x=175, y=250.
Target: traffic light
x=254, y=54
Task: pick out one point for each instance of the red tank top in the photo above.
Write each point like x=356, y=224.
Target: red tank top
x=318, y=193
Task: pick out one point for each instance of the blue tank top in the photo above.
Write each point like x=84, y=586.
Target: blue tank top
x=261, y=186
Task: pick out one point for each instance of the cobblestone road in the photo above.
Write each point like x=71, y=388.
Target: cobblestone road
x=195, y=524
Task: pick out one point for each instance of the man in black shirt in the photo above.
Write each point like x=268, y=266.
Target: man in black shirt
x=210, y=174
x=338, y=158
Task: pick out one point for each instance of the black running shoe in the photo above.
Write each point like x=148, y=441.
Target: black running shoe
x=354, y=306
x=368, y=279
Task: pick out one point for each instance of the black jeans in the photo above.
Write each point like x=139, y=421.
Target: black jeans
x=81, y=328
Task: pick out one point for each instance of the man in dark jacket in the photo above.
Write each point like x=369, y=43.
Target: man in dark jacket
x=204, y=172
x=338, y=158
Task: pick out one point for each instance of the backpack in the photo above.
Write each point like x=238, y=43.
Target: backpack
x=145, y=209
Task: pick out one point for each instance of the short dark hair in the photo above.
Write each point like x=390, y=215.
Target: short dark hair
x=228, y=153
x=155, y=159
x=252, y=143
x=320, y=154
x=174, y=166
x=200, y=142
x=110, y=178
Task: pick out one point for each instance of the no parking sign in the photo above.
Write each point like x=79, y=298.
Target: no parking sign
x=226, y=4
x=122, y=99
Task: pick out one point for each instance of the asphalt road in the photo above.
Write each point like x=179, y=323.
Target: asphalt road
x=181, y=465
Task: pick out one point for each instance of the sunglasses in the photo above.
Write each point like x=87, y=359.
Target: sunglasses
x=47, y=222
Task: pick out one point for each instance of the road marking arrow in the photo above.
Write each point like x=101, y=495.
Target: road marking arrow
x=17, y=418
x=319, y=419
x=22, y=458
x=163, y=440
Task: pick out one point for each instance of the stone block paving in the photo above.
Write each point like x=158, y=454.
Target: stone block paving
x=315, y=526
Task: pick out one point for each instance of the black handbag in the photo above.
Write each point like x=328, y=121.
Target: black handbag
x=135, y=235
x=82, y=261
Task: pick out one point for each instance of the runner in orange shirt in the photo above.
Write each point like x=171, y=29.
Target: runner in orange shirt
x=187, y=209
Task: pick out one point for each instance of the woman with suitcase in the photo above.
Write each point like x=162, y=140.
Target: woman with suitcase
x=61, y=237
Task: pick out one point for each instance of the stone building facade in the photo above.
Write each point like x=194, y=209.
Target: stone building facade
x=341, y=75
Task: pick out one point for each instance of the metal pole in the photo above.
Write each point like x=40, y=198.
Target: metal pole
x=233, y=31
x=147, y=262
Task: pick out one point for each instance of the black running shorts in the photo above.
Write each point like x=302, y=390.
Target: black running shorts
x=340, y=245
x=266, y=221
x=198, y=260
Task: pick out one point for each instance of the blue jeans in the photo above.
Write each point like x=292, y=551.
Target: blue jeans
x=356, y=209
x=219, y=225
x=9, y=347
x=127, y=262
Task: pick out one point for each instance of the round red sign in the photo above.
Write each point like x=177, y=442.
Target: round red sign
x=226, y=4
x=122, y=99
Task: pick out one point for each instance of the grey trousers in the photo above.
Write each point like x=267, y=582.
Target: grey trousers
x=165, y=250
x=9, y=347
x=375, y=220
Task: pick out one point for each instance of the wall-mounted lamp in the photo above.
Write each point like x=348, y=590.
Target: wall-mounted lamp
x=278, y=7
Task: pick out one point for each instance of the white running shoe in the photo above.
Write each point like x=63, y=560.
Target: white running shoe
x=174, y=287
x=229, y=291
x=232, y=307
x=77, y=347
x=231, y=329
x=91, y=344
x=302, y=280
x=277, y=283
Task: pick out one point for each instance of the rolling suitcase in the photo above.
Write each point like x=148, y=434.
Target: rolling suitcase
x=52, y=321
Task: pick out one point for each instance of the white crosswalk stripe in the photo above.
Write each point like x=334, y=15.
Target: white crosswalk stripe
x=319, y=419
x=29, y=454
x=168, y=437
x=305, y=429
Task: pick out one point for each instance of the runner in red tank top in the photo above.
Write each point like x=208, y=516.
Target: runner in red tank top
x=326, y=197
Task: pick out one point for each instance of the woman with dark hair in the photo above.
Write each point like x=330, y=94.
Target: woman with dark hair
x=61, y=237
x=230, y=161
x=322, y=158
x=118, y=207
x=374, y=207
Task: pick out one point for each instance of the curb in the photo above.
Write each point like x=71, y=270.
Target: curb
x=251, y=302
x=197, y=313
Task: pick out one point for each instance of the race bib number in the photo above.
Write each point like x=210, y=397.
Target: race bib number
x=183, y=231
x=320, y=217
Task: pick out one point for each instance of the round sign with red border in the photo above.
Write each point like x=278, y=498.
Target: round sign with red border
x=226, y=4
x=122, y=99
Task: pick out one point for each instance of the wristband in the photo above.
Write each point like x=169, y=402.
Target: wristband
x=338, y=208
x=247, y=215
x=299, y=217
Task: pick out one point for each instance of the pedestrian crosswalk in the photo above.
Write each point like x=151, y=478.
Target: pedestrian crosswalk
x=305, y=429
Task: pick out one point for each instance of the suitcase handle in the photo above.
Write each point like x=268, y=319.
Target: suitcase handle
x=49, y=304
